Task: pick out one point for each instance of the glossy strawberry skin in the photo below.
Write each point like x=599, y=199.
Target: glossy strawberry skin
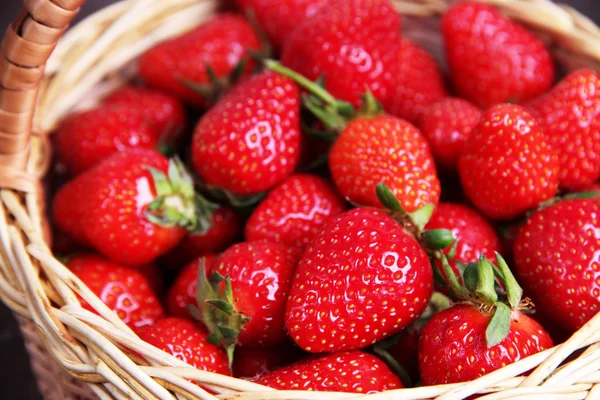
x=105, y=207
x=447, y=125
x=85, y=139
x=419, y=83
x=188, y=342
x=453, y=347
x=556, y=259
x=492, y=59
x=363, y=278
x=126, y=291
x=354, y=44
x=250, y=140
x=351, y=371
x=384, y=149
x=182, y=293
x=220, y=43
x=294, y=211
x=507, y=165
x=570, y=113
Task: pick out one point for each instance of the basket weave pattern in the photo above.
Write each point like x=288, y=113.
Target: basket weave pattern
x=79, y=355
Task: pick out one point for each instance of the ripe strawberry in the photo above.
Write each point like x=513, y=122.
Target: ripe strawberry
x=493, y=59
x=295, y=211
x=351, y=371
x=182, y=293
x=556, y=254
x=188, y=342
x=127, y=208
x=360, y=280
x=507, y=166
x=216, y=49
x=353, y=43
x=250, y=140
x=447, y=125
x=124, y=290
x=571, y=115
x=253, y=361
x=419, y=82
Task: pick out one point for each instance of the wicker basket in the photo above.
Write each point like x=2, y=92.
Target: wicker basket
x=76, y=354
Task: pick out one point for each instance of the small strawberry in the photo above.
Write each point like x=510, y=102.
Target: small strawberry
x=419, y=82
x=570, y=113
x=207, y=58
x=188, y=342
x=351, y=372
x=253, y=361
x=492, y=59
x=447, y=125
x=507, y=165
x=354, y=44
x=124, y=290
x=182, y=293
x=360, y=280
x=127, y=208
x=556, y=255
x=295, y=211
x=250, y=140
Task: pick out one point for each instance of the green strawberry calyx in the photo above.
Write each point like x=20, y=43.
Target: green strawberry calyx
x=216, y=85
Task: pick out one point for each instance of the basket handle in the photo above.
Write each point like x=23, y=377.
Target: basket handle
x=27, y=45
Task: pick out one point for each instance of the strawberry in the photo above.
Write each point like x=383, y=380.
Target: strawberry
x=419, y=82
x=556, y=254
x=354, y=44
x=250, y=362
x=127, y=208
x=447, y=125
x=124, y=290
x=351, y=372
x=492, y=59
x=182, y=293
x=361, y=279
x=294, y=211
x=507, y=165
x=188, y=342
x=207, y=58
x=570, y=113
x=245, y=153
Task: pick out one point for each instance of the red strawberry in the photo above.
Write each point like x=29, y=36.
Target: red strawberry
x=360, y=280
x=188, y=342
x=571, y=115
x=352, y=372
x=126, y=291
x=447, y=125
x=295, y=211
x=86, y=138
x=128, y=212
x=556, y=254
x=250, y=140
x=216, y=47
x=419, y=82
x=507, y=166
x=353, y=43
x=493, y=59
x=250, y=362
x=182, y=293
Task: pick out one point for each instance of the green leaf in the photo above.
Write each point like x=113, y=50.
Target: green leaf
x=156, y=204
x=513, y=289
x=228, y=333
x=222, y=305
x=499, y=325
x=582, y=195
x=213, y=339
x=471, y=276
x=485, y=281
x=422, y=216
x=370, y=107
x=212, y=76
x=237, y=72
x=438, y=239
x=161, y=182
x=387, y=198
x=452, y=252
x=451, y=278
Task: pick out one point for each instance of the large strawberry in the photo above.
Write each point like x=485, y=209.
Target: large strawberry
x=132, y=207
x=419, y=82
x=351, y=371
x=250, y=140
x=295, y=211
x=188, y=342
x=493, y=59
x=126, y=291
x=207, y=58
x=571, y=115
x=182, y=293
x=556, y=254
x=354, y=44
x=360, y=280
x=507, y=165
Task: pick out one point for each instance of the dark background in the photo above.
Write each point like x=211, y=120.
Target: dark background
x=16, y=381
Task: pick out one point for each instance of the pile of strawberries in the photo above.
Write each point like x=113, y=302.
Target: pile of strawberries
x=335, y=220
